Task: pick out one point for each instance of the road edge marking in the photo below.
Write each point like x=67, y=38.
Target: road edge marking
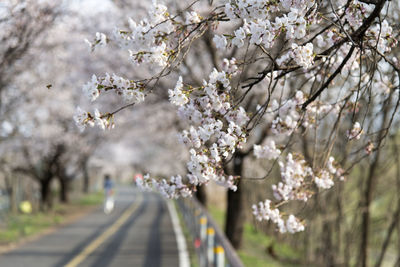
x=106, y=234
x=180, y=239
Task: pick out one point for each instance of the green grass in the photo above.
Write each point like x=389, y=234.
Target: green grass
x=22, y=225
x=255, y=243
x=218, y=215
x=17, y=226
x=255, y=261
x=91, y=199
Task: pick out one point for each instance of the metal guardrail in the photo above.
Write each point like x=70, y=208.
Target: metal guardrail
x=211, y=244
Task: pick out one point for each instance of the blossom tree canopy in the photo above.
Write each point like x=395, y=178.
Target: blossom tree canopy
x=296, y=67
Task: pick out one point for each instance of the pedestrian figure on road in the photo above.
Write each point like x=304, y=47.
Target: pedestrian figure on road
x=108, y=194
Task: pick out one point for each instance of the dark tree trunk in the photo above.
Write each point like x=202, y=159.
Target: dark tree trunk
x=327, y=249
x=12, y=199
x=86, y=178
x=11, y=186
x=235, y=215
x=201, y=195
x=338, y=221
x=64, y=189
x=45, y=198
x=365, y=210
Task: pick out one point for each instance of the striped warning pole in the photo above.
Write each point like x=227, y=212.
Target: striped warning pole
x=219, y=256
x=210, y=245
x=203, y=238
x=203, y=228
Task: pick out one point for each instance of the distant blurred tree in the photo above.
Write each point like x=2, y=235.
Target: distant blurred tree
x=21, y=23
x=35, y=59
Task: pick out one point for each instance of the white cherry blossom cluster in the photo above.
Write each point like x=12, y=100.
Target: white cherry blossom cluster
x=230, y=66
x=228, y=182
x=83, y=118
x=192, y=17
x=291, y=17
x=294, y=174
x=326, y=39
x=173, y=188
x=177, y=96
x=354, y=14
x=216, y=124
x=220, y=42
x=145, y=183
x=289, y=115
x=99, y=40
x=263, y=9
x=325, y=178
x=145, y=40
x=155, y=39
x=382, y=37
x=303, y=55
x=260, y=32
x=129, y=90
x=268, y=151
x=296, y=177
x=355, y=132
x=215, y=129
x=317, y=110
x=263, y=32
x=264, y=211
x=249, y=9
x=265, y=20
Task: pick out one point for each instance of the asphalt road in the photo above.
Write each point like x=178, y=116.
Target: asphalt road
x=139, y=232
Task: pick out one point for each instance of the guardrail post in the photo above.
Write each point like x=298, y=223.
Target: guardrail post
x=203, y=238
x=210, y=245
x=222, y=253
x=203, y=229
x=219, y=256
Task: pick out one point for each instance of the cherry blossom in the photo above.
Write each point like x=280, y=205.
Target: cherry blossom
x=293, y=69
x=355, y=132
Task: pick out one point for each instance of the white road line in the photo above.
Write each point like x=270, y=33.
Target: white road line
x=180, y=239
